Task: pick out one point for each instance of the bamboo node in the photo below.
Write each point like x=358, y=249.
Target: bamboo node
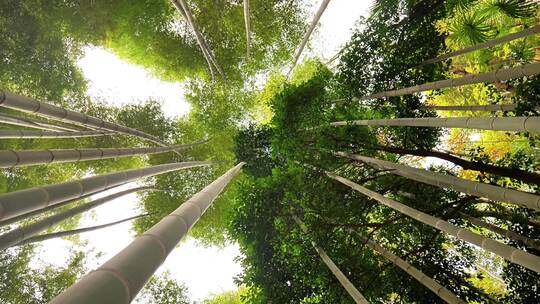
x=123, y=280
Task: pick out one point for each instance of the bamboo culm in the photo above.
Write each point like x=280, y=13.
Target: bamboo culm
x=20, y=234
x=532, y=243
x=509, y=253
x=498, y=75
x=24, y=201
x=428, y=282
x=14, y=158
x=51, y=207
x=121, y=278
x=30, y=123
x=522, y=34
x=515, y=124
x=30, y=105
x=476, y=108
x=312, y=26
x=343, y=280
x=247, y=23
x=186, y=12
x=491, y=192
x=55, y=235
x=198, y=37
x=22, y=134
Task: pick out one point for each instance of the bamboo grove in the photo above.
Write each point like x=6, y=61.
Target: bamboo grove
x=363, y=186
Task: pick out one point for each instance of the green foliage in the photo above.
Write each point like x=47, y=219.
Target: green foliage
x=252, y=145
x=37, y=58
x=154, y=35
x=42, y=41
x=163, y=289
x=473, y=22
x=510, y=8
x=22, y=284
x=469, y=28
x=229, y=297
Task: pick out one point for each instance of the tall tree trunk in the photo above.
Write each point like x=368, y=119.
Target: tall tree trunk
x=498, y=75
x=24, y=201
x=30, y=105
x=20, y=234
x=516, y=124
x=120, y=279
x=55, y=235
x=524, y=33
x=491, y=192
x=13, y=158
x=52, y=207
x=532, y=243
x=312, y=26
x=343, y=280
x=31, y=123
x=21, y=134
x=528, y=177
x=509, y=253
x=423, y=279
x=247, y=22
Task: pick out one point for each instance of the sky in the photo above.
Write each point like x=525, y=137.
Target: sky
x=205, y=271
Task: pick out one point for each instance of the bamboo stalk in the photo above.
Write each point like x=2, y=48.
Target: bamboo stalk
x=22, y=134
x=492, y=192
x=498, y=75
x=509, y=253
x=20, y=234
x=476, y=108
x=343, y=280
x=121, y=278
x=198, y=38
x=428, y=282
x=522, y=34
x=20, y=158
x=55, y=235
x=532, y=243
x=310, y=30
x=24, y=201
x=30, y=123
x=49, y=208
x=516, y=124
x=247, y=23
x=30, y=105
x=186, y=12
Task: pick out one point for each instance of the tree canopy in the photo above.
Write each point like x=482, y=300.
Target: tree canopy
x=280, y=125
